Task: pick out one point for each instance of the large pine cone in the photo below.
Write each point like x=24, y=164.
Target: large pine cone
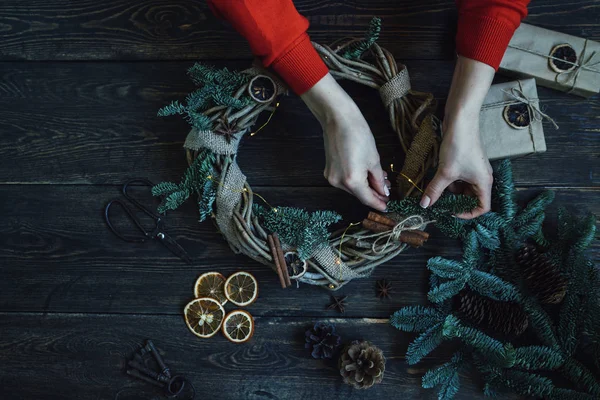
x=362, y=365
x=543, y=278
x=322, y=340
x=504, y=317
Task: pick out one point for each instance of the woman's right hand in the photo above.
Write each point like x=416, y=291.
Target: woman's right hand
x=352, y=160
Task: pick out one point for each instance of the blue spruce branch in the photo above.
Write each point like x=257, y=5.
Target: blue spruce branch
x=416, y=318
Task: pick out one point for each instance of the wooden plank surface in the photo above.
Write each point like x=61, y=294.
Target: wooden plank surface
x=57, y=255
x=82, y=123
x=82, y=356
x=75, y=301
x=185, y=29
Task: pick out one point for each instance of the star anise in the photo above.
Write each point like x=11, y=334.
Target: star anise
x=338, y=303
x=227, y=130
x=384, y=289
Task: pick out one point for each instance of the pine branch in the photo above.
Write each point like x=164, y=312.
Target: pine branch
x=425, y=344
x=416, y=318
x=356, y=50
x=538, y=358
x=446, y=376
x=504, y=189
x=534, y=207
x=497, y=353
x=447, y=290
x=198, y=179
x=541, y=322
x=567, y=394
x=298, y=228
x=581, y=377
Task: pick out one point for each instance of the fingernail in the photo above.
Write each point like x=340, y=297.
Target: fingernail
x=425, y=201
x=386, y=190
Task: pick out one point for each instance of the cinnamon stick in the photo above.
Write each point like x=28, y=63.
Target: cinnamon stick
x=276, y=260
x=382, y=219
x=423, y=234
x=375, y=227
x=282, y=262
x=412, y=238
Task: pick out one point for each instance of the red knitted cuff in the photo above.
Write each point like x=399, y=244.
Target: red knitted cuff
x=483, y=39
x=300, y=66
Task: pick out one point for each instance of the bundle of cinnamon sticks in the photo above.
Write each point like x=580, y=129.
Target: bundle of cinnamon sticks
x=378, y=223
x=279, y=260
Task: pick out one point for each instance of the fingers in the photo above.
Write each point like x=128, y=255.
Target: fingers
x=436, y=187
x=362, y=191
x=369, y=197
x=377, y=181
x=483, y=192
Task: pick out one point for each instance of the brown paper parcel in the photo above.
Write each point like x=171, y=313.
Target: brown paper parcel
x=500, y=139
x=529, y=53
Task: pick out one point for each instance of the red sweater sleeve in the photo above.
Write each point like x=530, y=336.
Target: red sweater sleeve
x=277, y=35
x=485, y=28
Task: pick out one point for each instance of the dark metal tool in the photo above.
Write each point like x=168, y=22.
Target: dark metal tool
x=174, y=386
x=158, y=232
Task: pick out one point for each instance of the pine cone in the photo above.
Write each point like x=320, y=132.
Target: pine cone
x=504, y=317
x=543, y=278
x=322, y=340
x=362, y=365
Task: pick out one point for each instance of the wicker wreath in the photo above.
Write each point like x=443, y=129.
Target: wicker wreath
x=328, y=260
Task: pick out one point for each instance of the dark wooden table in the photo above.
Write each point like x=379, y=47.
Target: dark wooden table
x=80, y=84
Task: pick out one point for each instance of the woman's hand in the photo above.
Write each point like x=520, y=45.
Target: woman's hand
x=352, y=160
x=464, y=167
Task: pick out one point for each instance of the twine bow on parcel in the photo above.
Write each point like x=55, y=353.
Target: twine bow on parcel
x=537, y=113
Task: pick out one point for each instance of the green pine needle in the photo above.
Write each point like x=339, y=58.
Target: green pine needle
x=538, y=358
x=356, y=50
x=424, y=344
x=217, y=87
x=446, y=376
x=198, y=179
x=416, y=318
x=298, y=228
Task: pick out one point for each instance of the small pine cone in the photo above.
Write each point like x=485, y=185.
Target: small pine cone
x=543, y=278
x=322, y=340
x=504, y=317
x=362, y=365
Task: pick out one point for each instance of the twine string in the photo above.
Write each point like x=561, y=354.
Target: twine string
x=411, y=223
x=586, y=65
x=537, y=113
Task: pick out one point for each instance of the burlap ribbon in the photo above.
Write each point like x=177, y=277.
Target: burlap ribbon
x=331, y=263
x=197, y=140
x=416, y=156
x=395, y=88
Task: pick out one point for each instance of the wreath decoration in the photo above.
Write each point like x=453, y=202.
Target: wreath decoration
x=227, y=105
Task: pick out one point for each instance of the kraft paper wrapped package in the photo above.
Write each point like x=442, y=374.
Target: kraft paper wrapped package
x=511, y=120
x=556, y=60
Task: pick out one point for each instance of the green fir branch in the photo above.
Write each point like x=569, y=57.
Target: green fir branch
x=538, y=358
x=198, y=179
x=356, y=50
x=416, y=318
x=446, y=376
x=425, y=343
x=298, y=228
x=502, y=355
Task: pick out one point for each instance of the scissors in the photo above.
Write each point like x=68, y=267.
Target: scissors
x=158, y=232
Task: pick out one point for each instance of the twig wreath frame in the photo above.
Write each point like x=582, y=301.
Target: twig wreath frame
x=228, y=104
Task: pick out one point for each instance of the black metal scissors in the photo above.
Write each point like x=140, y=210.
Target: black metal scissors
x=158, y=232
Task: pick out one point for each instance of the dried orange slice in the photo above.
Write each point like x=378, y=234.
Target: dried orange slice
x=238, y=326
x=204, y=316
x=211, y=284
x=241, y=289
